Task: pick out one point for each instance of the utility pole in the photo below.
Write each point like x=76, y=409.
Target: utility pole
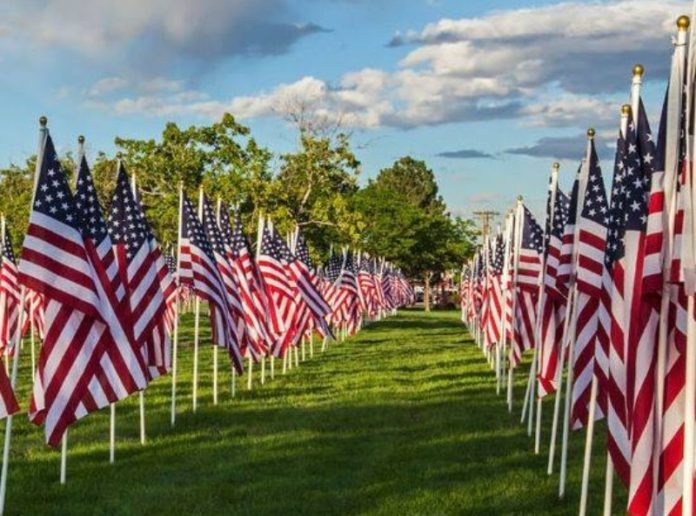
x=486, y=216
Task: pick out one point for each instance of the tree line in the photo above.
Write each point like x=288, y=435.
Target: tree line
x=399, y=214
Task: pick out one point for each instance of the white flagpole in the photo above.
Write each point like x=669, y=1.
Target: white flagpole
x=251, y=372
x=197, y=320
x=175, y=339
x=516, y=256
x=582, y=186
x=688, y=258
x=112, y=433
x=215, y=348
x=32, y=339
x=609, y=473
x=568, y=329
x=43, y=135
x=570, y=307
x=584, y=488
x=555, y=168
x=509, y=221
x=141, y=394
x=64, y=457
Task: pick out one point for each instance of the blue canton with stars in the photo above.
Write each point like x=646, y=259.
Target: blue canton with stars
x=194, y=231
x=126, y=222
x=595, y=206
x=211, y=228
x=87, y=206
x=532, y=234
x=53, y=197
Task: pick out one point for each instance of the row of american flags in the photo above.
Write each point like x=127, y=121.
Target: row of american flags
x=601, y=294
x=104, y=298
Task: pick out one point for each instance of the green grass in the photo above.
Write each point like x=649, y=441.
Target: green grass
x=401, y=419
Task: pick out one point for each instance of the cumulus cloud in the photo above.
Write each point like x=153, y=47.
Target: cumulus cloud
x=158, y=32
x=564, y=65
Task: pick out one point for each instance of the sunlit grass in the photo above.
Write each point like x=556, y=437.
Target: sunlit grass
x=401, y=419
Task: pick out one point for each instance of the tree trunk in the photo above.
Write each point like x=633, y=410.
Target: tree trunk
x=426, y=292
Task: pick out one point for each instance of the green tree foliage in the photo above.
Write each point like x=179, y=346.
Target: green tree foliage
x=409, y=223
x=315, y=187
x=222, y=158
x=399, y=215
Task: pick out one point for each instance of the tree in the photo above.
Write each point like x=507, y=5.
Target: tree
x=222, y=158
x=409, y=224
x=16, y=188
x=315, y=187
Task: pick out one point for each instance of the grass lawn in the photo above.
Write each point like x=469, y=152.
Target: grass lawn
x=401, y=419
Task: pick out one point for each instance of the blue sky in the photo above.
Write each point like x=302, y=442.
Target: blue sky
x=488, y=92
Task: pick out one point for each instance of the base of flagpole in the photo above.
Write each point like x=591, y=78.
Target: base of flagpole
x=142, y=417
x=112, y=433
x=64, y=457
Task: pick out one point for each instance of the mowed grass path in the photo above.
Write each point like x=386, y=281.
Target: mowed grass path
x=401, y=419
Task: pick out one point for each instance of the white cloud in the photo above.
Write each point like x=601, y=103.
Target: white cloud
x=565, y=65
x=157, y=31
x=106, y=86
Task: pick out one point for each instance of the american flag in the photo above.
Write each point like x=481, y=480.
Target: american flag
x=82, y=314
x=494, y=297
x=144, y=271
x=261, y=319
x=553, y=304
x=198, y=268
x=634, y=322
x=273, y=261
x=368, y=287
x=529, y=259
x=330, y=273
x=111, y=381
x=10, y=297
x=665, y=242
x=34, y=308
x=305, y=276
x=228, y=275
x=614, y=391
x=591, y=229
x=350, y=293
x=566, y=266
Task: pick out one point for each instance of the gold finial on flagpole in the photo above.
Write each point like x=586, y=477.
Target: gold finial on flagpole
x=43, y=121
x=626, y=109
x=556, y=165
x=81, y=140
x=638, y=69
x=683, y=22
x=591, y=133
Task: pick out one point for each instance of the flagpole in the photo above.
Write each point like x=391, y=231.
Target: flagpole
x=690, y=352
x=516, y=256
x=177, y=285
x=531, y=381
x=32, y=338
x=582, y=185
x=141, y=393
x=64, y=443
x=197, y=320
x=506, y=282
x=215, y=348
x=43, y=135
x=555, y=169
x=609, y=473
x=569, y=316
